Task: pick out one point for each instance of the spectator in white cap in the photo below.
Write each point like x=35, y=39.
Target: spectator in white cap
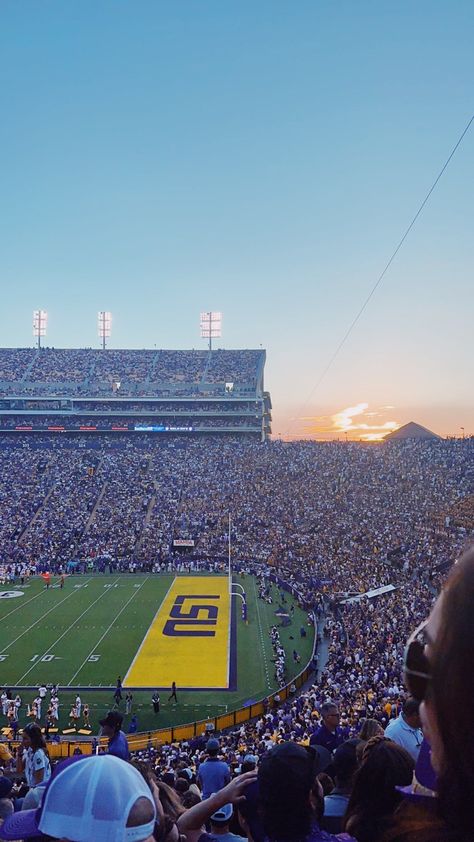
x=220, y=820
x=97, y=798
x=217, y=809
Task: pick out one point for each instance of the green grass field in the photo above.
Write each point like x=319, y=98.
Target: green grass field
x=87, y=634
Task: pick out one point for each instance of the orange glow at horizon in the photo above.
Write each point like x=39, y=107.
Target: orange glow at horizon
x=341, y=424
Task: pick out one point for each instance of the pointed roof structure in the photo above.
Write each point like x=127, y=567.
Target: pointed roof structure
x=412, y=431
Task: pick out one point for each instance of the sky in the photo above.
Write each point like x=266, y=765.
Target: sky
x=258, y=158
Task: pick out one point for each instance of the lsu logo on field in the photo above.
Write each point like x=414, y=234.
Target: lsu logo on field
x=189, y=639
x=191, y=618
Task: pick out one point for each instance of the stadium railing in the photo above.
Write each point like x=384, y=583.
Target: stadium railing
x=162, y=736
x=178, y=733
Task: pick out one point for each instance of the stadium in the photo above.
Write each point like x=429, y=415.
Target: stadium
x=152, y=533
x=119, y=566
x=210, y=630
x=175, y=585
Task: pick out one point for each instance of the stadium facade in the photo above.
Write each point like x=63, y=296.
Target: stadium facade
x=88, y=391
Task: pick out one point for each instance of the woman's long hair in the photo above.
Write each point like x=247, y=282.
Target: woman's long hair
x=385, y=765
x=37, y=740
x=452, y=696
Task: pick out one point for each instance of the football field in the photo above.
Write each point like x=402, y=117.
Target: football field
x=150, y=631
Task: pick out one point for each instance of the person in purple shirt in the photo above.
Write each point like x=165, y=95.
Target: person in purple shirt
x=111, y=726
x=328, y=734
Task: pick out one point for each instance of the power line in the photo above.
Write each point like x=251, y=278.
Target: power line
x=387, y=266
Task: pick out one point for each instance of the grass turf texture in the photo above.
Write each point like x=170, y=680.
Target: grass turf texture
x=89, y=633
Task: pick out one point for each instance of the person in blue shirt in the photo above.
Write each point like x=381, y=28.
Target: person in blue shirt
x=111, y=726
x=335, y=804
x=213, y=774
x=406, y=729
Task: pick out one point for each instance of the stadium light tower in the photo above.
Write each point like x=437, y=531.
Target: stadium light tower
x=104, y=324
x=211, y=327
x=40, y=321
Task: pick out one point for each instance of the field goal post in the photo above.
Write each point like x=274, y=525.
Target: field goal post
x=240, y=593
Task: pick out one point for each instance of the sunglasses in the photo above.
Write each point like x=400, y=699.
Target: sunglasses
x=416, y=666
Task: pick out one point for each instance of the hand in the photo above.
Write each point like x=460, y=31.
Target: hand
x=194, y=818
x=160, y=813
x=234, y=792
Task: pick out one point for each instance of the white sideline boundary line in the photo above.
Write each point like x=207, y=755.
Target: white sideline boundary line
x=124, y=683
x=40, y=619
x=135, y=592
x=48, y=650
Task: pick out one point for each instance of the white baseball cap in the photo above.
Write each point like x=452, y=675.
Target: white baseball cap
x=88, y=798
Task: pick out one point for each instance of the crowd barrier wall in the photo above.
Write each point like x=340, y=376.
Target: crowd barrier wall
x=212, y=724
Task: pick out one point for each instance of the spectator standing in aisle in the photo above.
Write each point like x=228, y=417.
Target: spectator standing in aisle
x=213, y=774
x=111, y=728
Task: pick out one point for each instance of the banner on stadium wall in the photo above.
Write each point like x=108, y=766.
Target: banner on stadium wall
x=183, y=542
x=161, y=428
x=368, y=594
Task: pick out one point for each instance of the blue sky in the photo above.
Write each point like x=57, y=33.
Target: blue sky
x=259, y=158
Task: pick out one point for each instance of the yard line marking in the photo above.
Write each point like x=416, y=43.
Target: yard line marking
x=148, y=629
x=107, y=630
x=39, y=620
x=62, y=635
x=261, y=636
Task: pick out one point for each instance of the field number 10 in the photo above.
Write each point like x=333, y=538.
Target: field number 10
x=46, y=658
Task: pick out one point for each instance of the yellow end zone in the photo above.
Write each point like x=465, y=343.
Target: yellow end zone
x=189, y=639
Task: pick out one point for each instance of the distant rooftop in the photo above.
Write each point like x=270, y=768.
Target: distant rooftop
x=411, y=431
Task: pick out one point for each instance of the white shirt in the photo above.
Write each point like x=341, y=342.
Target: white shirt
x=34, y=762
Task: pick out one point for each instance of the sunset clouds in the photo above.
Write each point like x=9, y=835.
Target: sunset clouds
x=359, y=423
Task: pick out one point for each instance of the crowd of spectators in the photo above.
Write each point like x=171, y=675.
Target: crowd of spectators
x=233, y=366
x=346, y=517
x=92, y=372
x=298, y=773
x=334, y=522
x=129, y=422
x=131, y=407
